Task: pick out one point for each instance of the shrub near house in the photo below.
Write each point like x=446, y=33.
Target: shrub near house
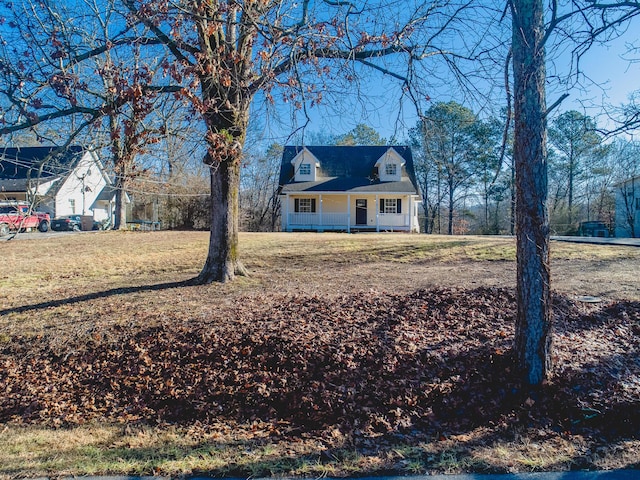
x=17, y=216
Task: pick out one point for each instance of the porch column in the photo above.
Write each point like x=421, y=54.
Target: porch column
x=320, y=220
x=410, y=213
x=377, y=214
x=348, y=213
x=286, y=214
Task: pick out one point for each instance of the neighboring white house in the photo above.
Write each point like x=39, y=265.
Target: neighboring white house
x=628, y=208
x=349, y=188
x=71, y=182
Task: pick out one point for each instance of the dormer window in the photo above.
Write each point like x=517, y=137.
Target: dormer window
x=391, y=169
x=390, y=166
x=306, y=166
x=305, y=169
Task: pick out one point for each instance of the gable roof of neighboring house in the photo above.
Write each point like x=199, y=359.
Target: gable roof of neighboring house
x=20, y=164
x=349, y=169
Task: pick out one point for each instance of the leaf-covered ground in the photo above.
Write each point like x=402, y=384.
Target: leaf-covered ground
x=370, y=366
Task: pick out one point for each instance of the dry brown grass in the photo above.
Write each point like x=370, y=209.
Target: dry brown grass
x=73, y=284
x=81, y=274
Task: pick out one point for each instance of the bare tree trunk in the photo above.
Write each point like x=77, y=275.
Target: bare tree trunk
x=512, y=204
x=496, y=219
x=533, y=322
x=629, y=207
x=120, y=214
x=223, y=263
x=487, y=229
x=227, y=129
x=450, y=219
x=121, y=165
x=571, y=181
x=439, y=201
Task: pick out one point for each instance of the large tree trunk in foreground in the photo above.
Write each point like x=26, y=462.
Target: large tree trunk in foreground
x=533, y=323
x=222, y=258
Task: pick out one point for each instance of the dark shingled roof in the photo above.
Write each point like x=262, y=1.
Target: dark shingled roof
x=347, y=169
x=17, y=165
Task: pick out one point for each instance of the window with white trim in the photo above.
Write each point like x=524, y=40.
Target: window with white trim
x=305, y=169
x=391, y=205
x=391, y=169
x=305, y=205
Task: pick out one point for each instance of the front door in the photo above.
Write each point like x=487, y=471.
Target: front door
x=361, y=211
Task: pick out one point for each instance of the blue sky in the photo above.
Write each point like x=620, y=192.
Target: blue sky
x=379, y=103
x=613, y=76
x=608, y=77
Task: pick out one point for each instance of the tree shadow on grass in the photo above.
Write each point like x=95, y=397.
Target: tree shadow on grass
x=97, y=295
x=144, y=450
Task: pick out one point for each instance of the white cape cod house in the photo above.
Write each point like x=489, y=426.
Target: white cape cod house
x=348, y=188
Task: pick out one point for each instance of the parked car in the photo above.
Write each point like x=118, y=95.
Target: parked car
x=70, y=223
x=66, y=223
x=593, y=229
x=19, y=216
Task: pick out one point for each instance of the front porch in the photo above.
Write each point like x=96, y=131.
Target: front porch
x=343, y=222
x=347, y=213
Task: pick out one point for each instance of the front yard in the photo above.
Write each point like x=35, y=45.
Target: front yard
x=339, y=355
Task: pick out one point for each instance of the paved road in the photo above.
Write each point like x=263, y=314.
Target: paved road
x=37, y=235
x=628, y=242
x=606, y=475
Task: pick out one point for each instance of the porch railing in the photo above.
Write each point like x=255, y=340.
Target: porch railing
x=316, y=219
x=342, y=220
x=393, y=220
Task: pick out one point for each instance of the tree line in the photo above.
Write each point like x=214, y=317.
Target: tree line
x=466, y=174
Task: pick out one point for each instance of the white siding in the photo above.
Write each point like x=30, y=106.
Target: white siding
x=81, y=188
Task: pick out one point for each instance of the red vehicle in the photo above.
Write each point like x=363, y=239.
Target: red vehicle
x=15, y=216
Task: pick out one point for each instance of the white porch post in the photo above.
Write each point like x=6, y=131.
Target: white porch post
x=348, y=213
x=377, y=214
x=320, y=221
x=286, y=213
x=410, y=213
